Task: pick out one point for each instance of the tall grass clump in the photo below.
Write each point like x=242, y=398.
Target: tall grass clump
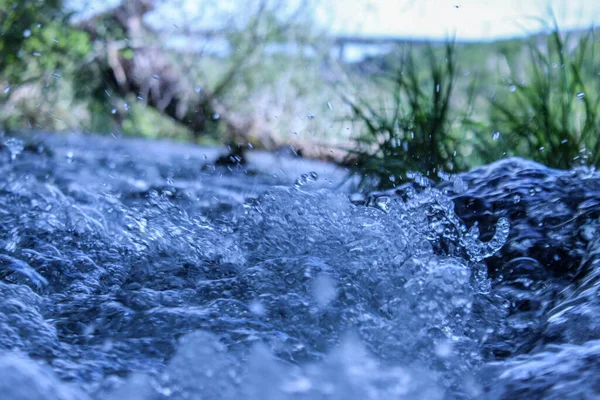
x=411, y=130
x=550, y=110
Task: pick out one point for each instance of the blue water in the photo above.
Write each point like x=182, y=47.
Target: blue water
x=139, y=270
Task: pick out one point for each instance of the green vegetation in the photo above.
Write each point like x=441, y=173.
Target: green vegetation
x=37, y=47
x=413, y=130
x=542, y=102
x=551, y=112
x=423, y=107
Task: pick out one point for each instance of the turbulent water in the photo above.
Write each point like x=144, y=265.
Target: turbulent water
x=133, y=270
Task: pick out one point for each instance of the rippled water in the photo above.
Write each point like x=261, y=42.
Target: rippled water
x=139, y=270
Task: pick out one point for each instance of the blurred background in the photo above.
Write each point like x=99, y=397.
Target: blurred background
x=381, y=87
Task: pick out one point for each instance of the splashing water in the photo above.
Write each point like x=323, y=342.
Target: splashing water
x=116, y=284
x=305, y=179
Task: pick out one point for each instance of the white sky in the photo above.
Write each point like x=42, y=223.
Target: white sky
x=468, y=19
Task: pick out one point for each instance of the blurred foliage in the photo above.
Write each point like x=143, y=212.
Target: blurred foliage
x=431, y=107
x=551, y=110
x=36, y=39
x=37, y=48
x=416, y=129
x=547, y=108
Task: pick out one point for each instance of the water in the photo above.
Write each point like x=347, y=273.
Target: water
x=138, y=270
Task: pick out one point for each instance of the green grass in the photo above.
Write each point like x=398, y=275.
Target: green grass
x=414, y=127
x=426, y=108
x=537, y=98
x=550, y=113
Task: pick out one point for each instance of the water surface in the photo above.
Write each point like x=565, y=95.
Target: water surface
x=132, y=269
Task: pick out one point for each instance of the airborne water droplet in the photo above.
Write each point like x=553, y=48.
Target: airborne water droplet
x=306, y=178
x=580, y=95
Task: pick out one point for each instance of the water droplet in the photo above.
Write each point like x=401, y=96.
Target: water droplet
x=459, y=186
x=516, y=199
x=26, y=33
x=437, y=88
x=563, y=141
x=198, y=89
x=37, y=54
x=126, y=106
x=14, y=146
x=257, y=308
x=306, y=178
x=496, y=136
x=155, y=77
x=7, y=89
x=418, y=178
x=512, y=88
x=329, y=105
x=580, y=95
x=216, y=116
x=113, y=111
x=250, y=146
x=383, y=203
